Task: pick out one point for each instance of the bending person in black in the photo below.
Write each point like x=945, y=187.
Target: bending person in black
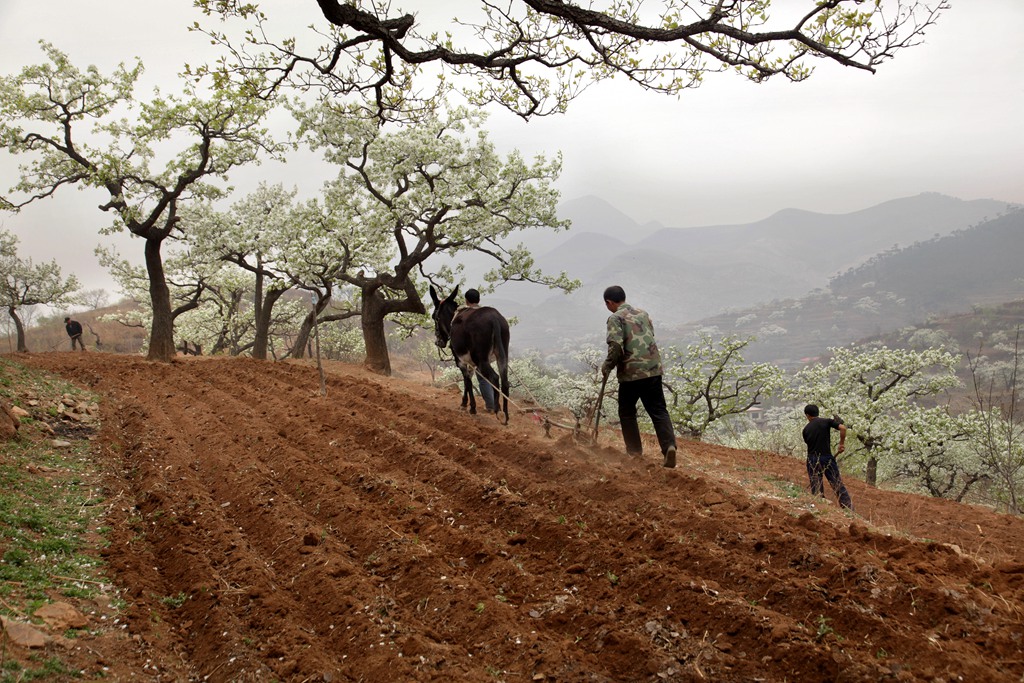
x=817, y=435
x=74, y=330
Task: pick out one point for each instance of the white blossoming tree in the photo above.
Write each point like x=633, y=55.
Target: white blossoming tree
x=420, y=192
x=880, y=394
x=944, y=467
x=1000, y=439
x=535, y=56
x=148, y=156
x=196, y=288
x=24, y=283
x=710, y=380
x=256, y=234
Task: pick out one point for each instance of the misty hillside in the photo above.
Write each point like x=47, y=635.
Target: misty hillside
x=683, y=275
x=593, y=216
x=979, y=266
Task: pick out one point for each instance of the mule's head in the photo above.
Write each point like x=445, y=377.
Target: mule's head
x=444, y=311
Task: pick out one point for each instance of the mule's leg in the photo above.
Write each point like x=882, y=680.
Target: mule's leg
x=467, y=391
x=504, y=391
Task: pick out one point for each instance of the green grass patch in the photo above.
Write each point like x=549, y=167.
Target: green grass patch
x=50, y=509
x=36, y=669
x=787, y=488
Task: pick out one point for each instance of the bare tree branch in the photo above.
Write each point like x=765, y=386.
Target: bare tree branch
x=535, y=56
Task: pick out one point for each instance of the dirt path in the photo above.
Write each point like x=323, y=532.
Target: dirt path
x=379, y=534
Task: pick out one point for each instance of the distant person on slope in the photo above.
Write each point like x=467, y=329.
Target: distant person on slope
x=74, y=330
x=486, y=390
x=634, y=355
x=817, y=435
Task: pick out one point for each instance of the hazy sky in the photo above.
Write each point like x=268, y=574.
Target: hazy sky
x=943, y=117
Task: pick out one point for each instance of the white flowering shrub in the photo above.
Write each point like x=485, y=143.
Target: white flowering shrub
x=746, y=319
x=709, y=380
x=867, y=305
x=772, y=330
x=944, y=470
x=926, y=338
x=552, y=390
x=779, y=431
x=343, y=341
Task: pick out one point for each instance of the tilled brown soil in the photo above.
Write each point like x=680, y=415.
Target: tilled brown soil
x=265, y=532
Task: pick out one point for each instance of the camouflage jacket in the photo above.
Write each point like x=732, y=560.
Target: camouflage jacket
x=631, y=346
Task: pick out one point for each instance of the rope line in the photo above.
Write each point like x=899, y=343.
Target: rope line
x=548, y=422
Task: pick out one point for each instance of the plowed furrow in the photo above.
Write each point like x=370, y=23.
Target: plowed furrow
x=378, y=533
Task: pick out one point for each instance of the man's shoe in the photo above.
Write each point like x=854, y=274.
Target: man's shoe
x=670, y=457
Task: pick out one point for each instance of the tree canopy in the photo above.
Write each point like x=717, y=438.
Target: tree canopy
x=710, y=380
x=534, y=56
x=173, y=149
x=409, y=194
x=257, y=234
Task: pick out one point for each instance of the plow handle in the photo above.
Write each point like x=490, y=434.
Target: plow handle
x=597, y=411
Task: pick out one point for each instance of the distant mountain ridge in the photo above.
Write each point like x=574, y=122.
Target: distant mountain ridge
x=974, y=267
x=682, y=275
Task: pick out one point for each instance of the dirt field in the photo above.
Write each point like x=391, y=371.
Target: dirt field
x=379, y=534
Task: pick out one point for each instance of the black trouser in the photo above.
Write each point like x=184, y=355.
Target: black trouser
x=77, y=338
x=649, y=392
x=826, y=465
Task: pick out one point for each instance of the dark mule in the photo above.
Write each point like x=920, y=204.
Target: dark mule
x=477, y=335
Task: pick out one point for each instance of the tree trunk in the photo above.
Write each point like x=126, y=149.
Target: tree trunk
x=99, y=344
x=259, y=346
x=264, y=316
x=302, y=341
x=374, y=339
x=227, y=338
x=20, y=327
x=161, y=334
x=298, y=349
x=375, y=309
x=871, y=473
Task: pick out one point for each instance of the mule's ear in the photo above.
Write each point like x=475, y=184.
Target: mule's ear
x=455, y=293
x=433, y=296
